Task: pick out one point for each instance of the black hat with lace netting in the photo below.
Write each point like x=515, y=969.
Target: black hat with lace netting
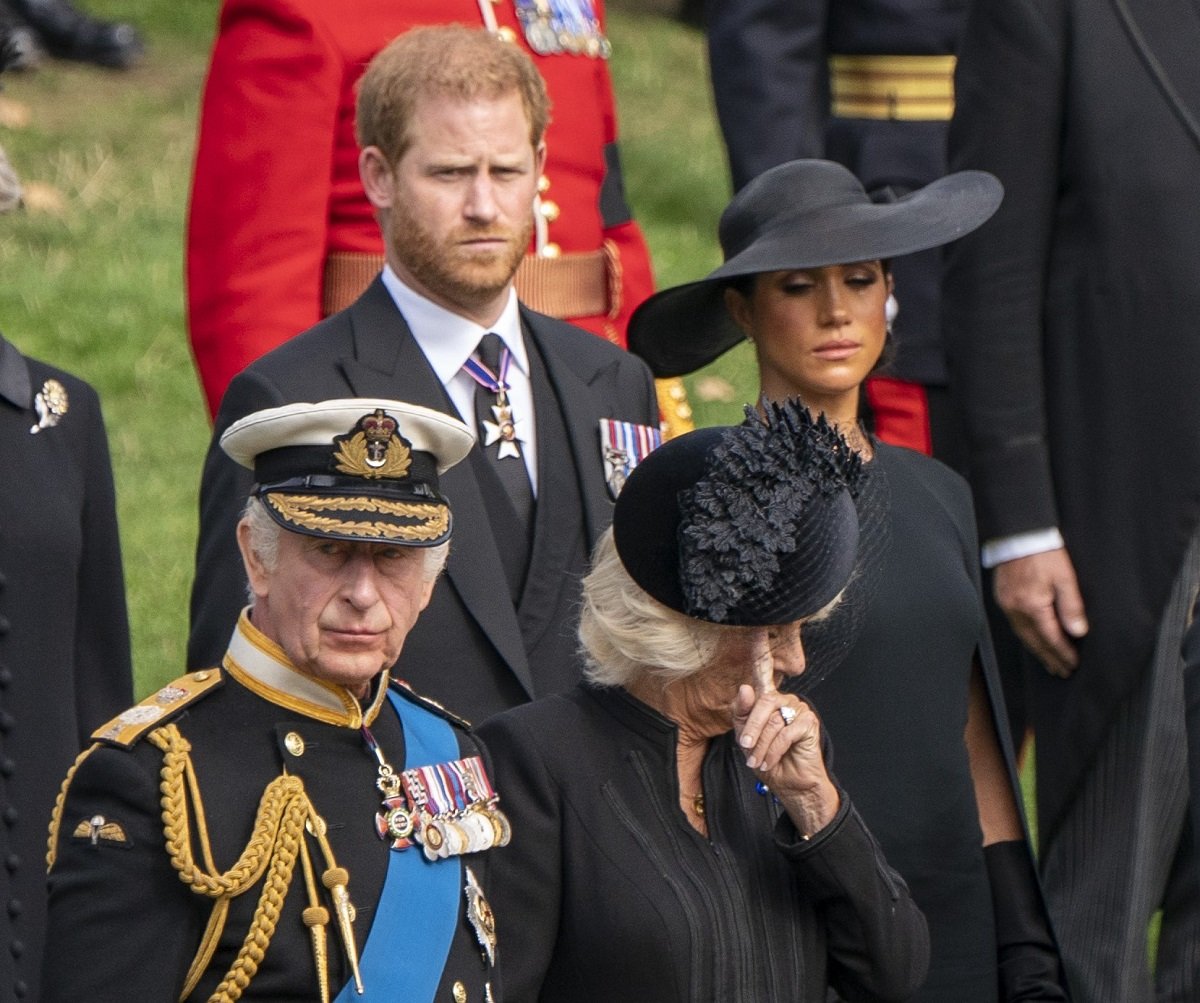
x=749, y=525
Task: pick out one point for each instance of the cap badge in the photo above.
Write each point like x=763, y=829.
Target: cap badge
x=50, y=404
x=373, y=449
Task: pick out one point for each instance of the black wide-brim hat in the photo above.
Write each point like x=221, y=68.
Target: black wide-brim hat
x=356, y=469
x=748, y=525
x=802, y=214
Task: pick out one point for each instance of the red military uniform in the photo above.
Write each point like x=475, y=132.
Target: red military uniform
x=276, y=188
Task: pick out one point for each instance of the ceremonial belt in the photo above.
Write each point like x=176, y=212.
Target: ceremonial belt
x=414, y=923
x=904, y=88
x=571, y=284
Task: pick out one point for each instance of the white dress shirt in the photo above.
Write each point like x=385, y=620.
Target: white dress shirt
x=448, y=340
x=1010, y=548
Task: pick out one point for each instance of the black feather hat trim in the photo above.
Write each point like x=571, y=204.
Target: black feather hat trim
x=750, y=525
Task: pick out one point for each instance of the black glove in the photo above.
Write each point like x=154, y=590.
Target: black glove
x=1027, y=956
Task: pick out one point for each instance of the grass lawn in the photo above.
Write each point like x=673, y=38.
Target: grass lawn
x=93, y=269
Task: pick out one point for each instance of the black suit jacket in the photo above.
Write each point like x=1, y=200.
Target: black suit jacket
x=469, y=649
x=1071, y=320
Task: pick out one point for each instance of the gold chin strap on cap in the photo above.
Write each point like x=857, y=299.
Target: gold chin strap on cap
x=278, y=839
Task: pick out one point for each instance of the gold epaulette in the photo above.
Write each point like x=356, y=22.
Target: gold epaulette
x=429, y=704
x=130, y=725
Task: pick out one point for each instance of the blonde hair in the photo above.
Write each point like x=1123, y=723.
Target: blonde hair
x=626, y=635
x=448, y=61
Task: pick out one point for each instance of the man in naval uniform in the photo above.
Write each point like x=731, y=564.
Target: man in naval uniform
x=451, y=123
x=295, y=824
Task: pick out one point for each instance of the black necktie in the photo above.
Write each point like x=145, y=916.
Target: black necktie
x=494, y=414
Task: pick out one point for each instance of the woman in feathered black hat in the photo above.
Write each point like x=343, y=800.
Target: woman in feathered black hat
x=676, y=833
x=912, y=705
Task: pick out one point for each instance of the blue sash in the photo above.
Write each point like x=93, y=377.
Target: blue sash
x=410, y=938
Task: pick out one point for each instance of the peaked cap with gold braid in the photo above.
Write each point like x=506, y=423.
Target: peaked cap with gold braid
x=357, y=469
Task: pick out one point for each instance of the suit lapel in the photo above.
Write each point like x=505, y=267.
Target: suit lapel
x=580, y=410
x=388, y=363
x=1164, y=32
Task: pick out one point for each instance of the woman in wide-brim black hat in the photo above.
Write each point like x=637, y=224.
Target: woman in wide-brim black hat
x=911, y=698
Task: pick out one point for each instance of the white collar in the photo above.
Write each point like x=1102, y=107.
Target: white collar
x=448, y=339
x=259, y=664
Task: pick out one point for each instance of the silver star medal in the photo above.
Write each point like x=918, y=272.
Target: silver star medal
x=506, y=430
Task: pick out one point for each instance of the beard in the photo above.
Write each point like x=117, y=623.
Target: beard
x=450, y=272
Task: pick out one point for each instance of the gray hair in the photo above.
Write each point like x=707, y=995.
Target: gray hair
x=265, y=533
x=626, y=635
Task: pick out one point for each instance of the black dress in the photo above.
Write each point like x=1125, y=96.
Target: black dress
x=896, y=709
x=607, y=894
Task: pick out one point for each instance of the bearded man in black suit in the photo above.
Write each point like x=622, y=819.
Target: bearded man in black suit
x=450, y=124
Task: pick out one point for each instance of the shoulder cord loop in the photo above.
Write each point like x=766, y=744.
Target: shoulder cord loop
x=277, y=840
x=59, y=803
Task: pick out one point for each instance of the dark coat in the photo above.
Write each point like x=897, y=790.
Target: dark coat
x=122, y=923
x=1071, y=315
x=470, y=649
x=64, y=635
x=769, y=62
x=615, y=897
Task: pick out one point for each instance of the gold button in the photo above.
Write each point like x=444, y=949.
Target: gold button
x=315, y=825
x=199, y=676
x=549, y=210
x=551, y=251
x=460, y=993
x=294, y=743
x=543, y=185
x=507, y=35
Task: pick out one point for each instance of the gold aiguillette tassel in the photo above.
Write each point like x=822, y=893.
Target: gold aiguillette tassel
x=315, y=918
x=336, y=879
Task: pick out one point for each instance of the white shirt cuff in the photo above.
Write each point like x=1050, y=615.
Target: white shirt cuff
x=1009, y=548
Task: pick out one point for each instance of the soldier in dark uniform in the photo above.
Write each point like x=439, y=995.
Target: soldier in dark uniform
x=869, y=84
x=293, y=825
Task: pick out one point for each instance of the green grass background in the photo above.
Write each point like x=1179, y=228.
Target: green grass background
x=96, y=285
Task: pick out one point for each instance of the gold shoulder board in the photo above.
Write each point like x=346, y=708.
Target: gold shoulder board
x=130, y=725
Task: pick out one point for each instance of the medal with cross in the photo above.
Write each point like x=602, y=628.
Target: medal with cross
x=505, y=429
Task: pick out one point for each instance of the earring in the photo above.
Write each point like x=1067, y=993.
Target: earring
x=891, y=308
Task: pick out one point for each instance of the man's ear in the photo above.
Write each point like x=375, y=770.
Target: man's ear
x=377, y=177
x=256, y=571
x=539, y=158
x=428, y=593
